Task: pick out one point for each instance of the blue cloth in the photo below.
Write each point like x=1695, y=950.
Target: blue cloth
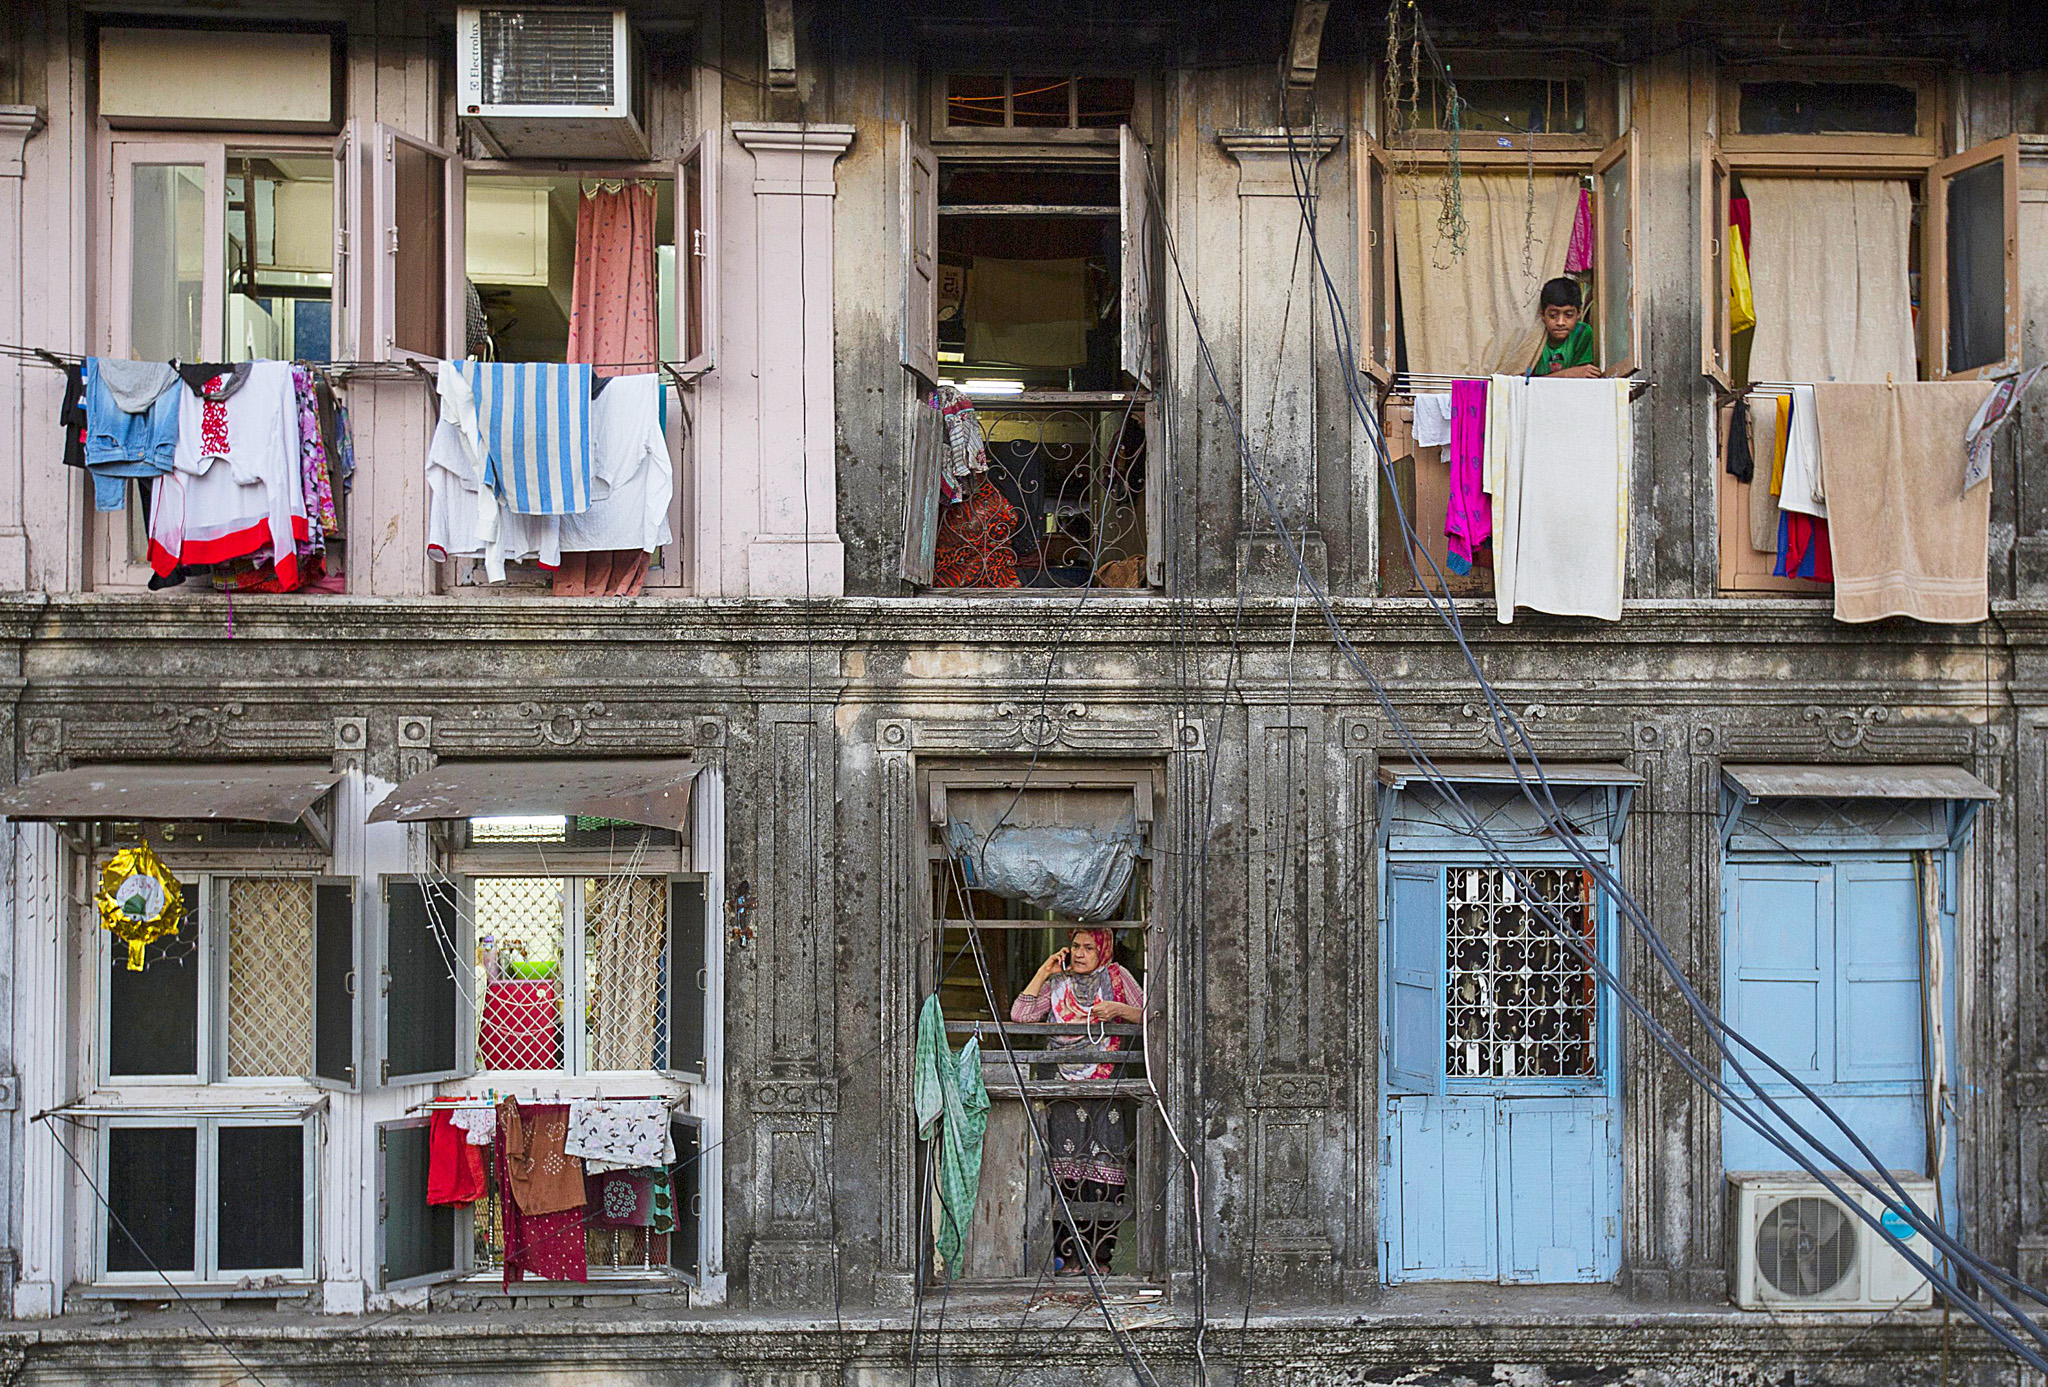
x=120, y=445
x=534, y=417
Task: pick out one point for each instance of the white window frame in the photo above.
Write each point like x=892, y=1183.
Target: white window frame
x=575, y=985
x=206, y=1246
x=117, y=548
x=205, y=904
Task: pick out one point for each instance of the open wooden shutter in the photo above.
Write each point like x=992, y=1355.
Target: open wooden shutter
x=1375, y=176
x=416, y=1241
x=415, y=264
x=337, y=1030
x=1140, y=259
x=686, y=1243
x=1716, y=329
x=697, y=251
x=1615, y=217
x=688, y=977
x=921, y=495
x=1972, y=287
x=351, y=223
x=920, y=331
x=1414, y=1020
x=426, y=1012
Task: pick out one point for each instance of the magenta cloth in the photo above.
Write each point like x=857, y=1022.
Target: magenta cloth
x=549, y=1246
x=1578, y=257
x=522, y=1025
x=620, y=1199
x=1738, y=217
x=1468, y=519
x=612, y=318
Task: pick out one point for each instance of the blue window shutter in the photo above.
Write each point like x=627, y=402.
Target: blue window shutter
x=1554, y=1189
x=1415, y=978
x=1779, y=964
x=1877, y=942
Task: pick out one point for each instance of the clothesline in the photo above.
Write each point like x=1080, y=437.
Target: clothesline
x=1435, y=382
x=476, y=1102
x=400, y=370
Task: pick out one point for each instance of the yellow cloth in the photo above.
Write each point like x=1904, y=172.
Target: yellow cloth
x=1782, y=435
x=1477, y=314
x=1741, y=302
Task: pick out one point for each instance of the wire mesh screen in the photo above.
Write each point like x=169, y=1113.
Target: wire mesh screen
x=1521, y=1004
x=520, y=927
x=625, y=941
x=270, y=977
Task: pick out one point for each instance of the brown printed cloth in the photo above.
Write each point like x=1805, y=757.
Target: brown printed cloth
x=1908, y=541
x=545, y=1179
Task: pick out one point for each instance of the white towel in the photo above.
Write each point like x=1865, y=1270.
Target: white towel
x=1432, y=420
x=1803, y=489
x=1557, y=466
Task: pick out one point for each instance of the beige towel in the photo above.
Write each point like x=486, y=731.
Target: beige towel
x=1907, y=540
x=1476, y=313
x=1828, y=266
x=1763, y=447
x=1028, y=312
x=1557, y=466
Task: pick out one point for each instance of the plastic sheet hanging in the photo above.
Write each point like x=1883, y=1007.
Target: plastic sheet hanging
x=1076, y=872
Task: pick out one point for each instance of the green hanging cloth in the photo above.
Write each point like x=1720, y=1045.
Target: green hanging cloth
x=949, y=1087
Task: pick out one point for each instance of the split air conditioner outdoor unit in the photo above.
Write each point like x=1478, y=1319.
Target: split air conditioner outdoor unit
x=548, y=83
x=1796, y=1247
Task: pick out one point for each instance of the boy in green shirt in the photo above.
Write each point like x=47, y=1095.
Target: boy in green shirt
x=1568, y=351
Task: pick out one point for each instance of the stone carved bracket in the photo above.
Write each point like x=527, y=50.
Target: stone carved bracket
x=1291, y=1091
x=351, y=743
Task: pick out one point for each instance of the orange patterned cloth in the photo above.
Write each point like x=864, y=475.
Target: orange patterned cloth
x=973, y=549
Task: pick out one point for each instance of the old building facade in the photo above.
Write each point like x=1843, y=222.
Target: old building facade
x=852, y=203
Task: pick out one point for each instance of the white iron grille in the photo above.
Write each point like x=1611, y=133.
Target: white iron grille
x=1520, y=1003
x=270, y=977
x=546, y=57
x=625, y=936
x=520, y=924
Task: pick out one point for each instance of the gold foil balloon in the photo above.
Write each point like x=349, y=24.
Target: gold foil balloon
x=139, y=900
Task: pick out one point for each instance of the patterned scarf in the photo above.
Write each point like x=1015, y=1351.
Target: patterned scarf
x=1074, y=993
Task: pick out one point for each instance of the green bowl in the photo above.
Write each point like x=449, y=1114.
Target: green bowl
x=531, y=969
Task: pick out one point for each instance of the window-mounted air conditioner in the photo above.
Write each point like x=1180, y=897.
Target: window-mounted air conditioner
x=1796, y=1247
x=547, y=83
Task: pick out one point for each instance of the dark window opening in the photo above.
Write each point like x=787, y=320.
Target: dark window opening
x=1828, y=108
x=152, y=1200
x=1038, y=101
x=1976, y=267
x=153, y=1015
x=1500, y=105
x=261, y=1199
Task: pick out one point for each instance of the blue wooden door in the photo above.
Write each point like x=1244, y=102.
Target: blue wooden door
x=1513, y=1179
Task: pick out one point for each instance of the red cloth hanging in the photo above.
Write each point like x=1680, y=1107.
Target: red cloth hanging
x=455, y=1165
x=521, y=1026
x=550, y=1246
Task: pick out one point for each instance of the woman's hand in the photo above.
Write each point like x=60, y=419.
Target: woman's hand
x=1056, y=964
x=1104, y=1009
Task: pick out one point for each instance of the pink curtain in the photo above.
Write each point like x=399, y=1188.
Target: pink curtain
x=612, y=320
x=612, y=325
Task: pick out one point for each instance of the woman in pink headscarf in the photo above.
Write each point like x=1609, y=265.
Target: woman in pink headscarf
x=1090, y=1138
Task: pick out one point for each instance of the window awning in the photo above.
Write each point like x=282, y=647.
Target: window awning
x=655, y=794
x=1397, y=775
x=1857, y=782
x=255, y=793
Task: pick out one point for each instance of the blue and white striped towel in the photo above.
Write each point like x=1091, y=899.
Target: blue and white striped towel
x=535, y=420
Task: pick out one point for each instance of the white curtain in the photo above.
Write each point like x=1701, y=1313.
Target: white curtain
x=1829, y=267
x=1477, y=313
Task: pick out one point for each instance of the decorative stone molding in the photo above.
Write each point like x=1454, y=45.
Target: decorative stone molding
x=1291, y=1091
x=17, y=125
x=1267, y=159
x=1847, y=727
x=1069, y=726
x=802, y=1094
x=351, y=743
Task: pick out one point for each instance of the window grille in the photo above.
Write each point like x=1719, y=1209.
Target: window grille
x=625, y=938
x=270, y=976
x=520, y=928
x=1521, y=1004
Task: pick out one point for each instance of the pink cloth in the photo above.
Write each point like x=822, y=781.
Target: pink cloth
x=612, y=318
x=1468, y=519
x=549, y=1246
x=1066, y=998
x=1578, y=257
